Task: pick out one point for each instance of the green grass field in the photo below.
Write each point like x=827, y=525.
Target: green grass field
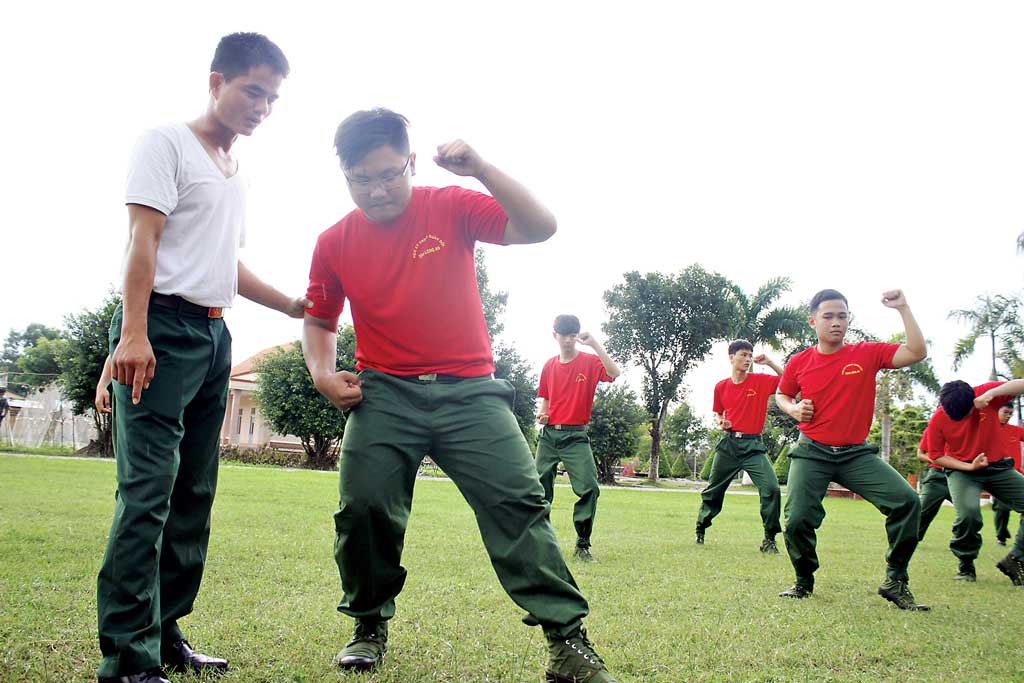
x=663, y=609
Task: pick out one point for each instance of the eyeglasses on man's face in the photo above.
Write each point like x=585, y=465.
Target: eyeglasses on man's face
x=386, y=180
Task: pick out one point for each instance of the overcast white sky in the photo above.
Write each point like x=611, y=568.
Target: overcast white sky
x=860, y=146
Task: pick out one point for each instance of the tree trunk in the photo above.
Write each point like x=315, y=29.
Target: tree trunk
x=993, y=377
x=652, y=475
x=886, y=424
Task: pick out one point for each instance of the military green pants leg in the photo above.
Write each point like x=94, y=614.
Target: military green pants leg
x=1003, y=482
x=934, y=492
x=469, y=430
x=1001, y=519
x=166, y=452
x=572, y=448
x=731, y=457
x=859, y=469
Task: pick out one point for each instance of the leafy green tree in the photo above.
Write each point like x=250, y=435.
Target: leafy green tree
x=991, y=318
x=781, y=465
x=614, y=428
x=665, y=324
x=780, y=430
x=40, y=363
x=907, y=425
x=758, y=320
x=82, y=362
x=292, y=405
x=893, y=387
x=19, y=343
x=686, y=435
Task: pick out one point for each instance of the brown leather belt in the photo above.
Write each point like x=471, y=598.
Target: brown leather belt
x=184, y=306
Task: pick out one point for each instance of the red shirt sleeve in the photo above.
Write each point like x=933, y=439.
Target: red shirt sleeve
x=544, y=388
x=324, y=288
x=788, y=384
x=885, y=353
x=602, y=372
x=922, y=445
x=718, y=406
x=997, y=402
x=936, y=439
x=770, y=382
x=479, y=215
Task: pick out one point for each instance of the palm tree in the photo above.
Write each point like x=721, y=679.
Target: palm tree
x=898, y=385
x=757, y=320
x=993, y=317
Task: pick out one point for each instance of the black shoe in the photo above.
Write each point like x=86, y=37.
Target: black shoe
x=582, y=553
x=151, y=676
x=1013, y=568
x=768, y=546
x=966, y=572
x=366, y=650
x=899, y=594
x=699, y=540
x=180, y=656
x=799, y=592
x=1001, y=541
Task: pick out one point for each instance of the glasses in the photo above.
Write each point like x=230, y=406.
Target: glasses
x=387, y=180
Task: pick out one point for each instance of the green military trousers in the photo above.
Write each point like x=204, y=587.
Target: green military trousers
x=1004, y=483
x=858, y=468
x=1001, y=518
x=573, y=449
x=469, y=430
x=934, y=492
x=733, y=455
x=166, y=449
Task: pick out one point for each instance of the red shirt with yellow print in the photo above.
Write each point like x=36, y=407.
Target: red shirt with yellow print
x=745, y=405
x=569, y=387
x=411, y=283
x=842, y=387
x=977, y=433
x=1012, y=437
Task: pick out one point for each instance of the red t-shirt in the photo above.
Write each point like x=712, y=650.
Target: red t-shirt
x=1012, y=436
x=977, y=433
x=842, y=387
x=569, y=387
x=745, y=405
x=411, y=283
x=922, y=446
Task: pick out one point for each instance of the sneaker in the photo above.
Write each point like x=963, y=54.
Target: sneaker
x=966, y=572
x=799, y=592
x=1013, y=568
x=768, y=546
x=573, y=660
x=898, y=594
x=1001, y=541
x=366, y=650
x=699, y=540
x=582, y=554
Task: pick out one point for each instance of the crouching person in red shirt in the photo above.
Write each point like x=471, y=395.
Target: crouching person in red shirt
x=404, y=261
x=836, y=385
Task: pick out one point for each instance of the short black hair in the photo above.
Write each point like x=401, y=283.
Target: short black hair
x=239, y=52
x=957, y=399
x=567, y=324
x=738, y=345
x=1007, y=405
x=365, y=131
x=826, y=295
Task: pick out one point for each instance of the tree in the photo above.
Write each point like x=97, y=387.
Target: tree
x=992, y=317
x=39, y=363
x=292, y=405
x=508, y=364
x=665, y=324
x=614, y=428
x=780, y=430
x=16, y=345
x=898, y=385
x=907, y=424
x=85, y=351
x=686, y=434
x=756, y=319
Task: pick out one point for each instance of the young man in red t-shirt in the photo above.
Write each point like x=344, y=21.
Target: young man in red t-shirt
x=934, y=489
x=965, y=437
x=1013, y=435
x=835, y=382
x=404, y=261
x=740, y=407
x=567, y=385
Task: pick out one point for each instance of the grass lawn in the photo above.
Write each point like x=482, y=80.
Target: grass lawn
x=663, y=609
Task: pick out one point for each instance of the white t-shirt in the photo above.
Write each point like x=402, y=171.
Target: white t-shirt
x=197, y=258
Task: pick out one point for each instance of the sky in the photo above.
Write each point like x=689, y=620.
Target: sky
x=859, y=146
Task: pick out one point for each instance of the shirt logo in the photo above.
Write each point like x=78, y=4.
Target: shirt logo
x=751, y=393
x=580, y=377
x=852, y=369
x=427, y=245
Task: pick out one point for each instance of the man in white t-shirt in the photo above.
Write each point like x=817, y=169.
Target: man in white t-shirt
x=171, y=359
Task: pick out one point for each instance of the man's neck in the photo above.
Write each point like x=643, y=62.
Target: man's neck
x=568, y=356
x=828, y=348
x=213, y=133
x=739, y=375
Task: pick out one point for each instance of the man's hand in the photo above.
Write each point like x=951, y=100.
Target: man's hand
x=102, y=400
x=802, y=411
x=981, y=402
x=134, y=364
x=297, y=307
x=460, y=159
x=761, y=359
x=723, y=423
x=980, y=461
x=543, y=418
x=894, y=298
x=586, y=339
x=341, y=389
